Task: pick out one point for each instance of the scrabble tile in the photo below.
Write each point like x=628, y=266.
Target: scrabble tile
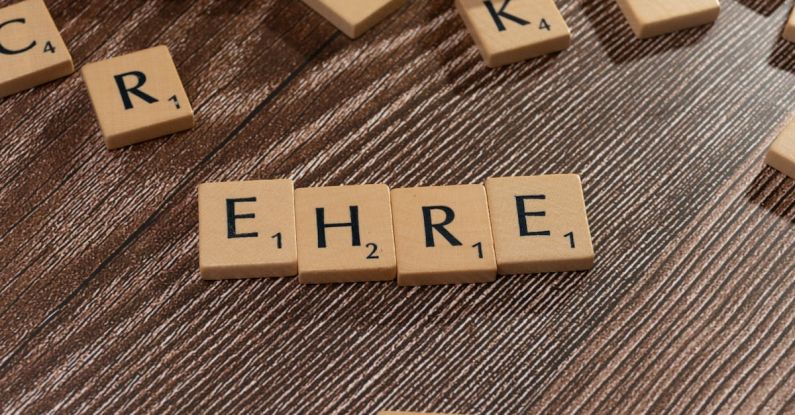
x=344, y=234
x=789, y=28
x=247, y=230
x=443, y=235
x=32, y=51
x=656, y=17
x=781, y=155
x=354, y=17
x=539, y=224
x=514, y=30
x=138, y=97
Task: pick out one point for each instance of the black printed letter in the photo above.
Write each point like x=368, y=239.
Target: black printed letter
x=5, y=51
x=231, y=230
x=125, y=92
x=523, y=214
x=320, y=215
x=496, y=15
x=449, y=215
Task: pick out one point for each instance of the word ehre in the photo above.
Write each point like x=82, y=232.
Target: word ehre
x=421, y=235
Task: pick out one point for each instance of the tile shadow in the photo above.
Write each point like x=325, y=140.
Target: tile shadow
x=774, y=192
x=620, y=43
x=783, y=55
x=763, y=7
x=283, y=19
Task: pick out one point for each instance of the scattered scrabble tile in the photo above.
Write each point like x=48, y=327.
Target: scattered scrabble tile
x=781, y=155
x=539, y=224
x=656, y=17
x=344, y=234
x=138, y=97
x=247, y=229
x=32, y=51
x=789, y=28
x=514, y=30
x=443, y=235
x=354, y=17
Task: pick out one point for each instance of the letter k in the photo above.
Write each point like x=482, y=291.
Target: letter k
x=497, y=15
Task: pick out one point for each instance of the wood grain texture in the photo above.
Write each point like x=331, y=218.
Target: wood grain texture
x=690, y=307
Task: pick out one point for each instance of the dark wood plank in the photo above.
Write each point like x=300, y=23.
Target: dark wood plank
x=690, y=307
x=115, y=177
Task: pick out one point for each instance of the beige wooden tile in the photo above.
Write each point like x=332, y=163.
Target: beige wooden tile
x=32, y=51
x=514, y=30
x=354, y=17
x=781, y=154
x=539, y=224
x=789, y=28
x=247, y=229
x=344, y=234
x=656, y=17
x=138, y=97
x=443, y=235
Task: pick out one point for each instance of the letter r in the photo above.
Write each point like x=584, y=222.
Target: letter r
x=449, y=216
x=125, y=92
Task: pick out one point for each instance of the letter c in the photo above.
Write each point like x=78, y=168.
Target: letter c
x=5, y=51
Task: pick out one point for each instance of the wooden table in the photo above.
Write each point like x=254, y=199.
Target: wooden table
x=690, y=307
